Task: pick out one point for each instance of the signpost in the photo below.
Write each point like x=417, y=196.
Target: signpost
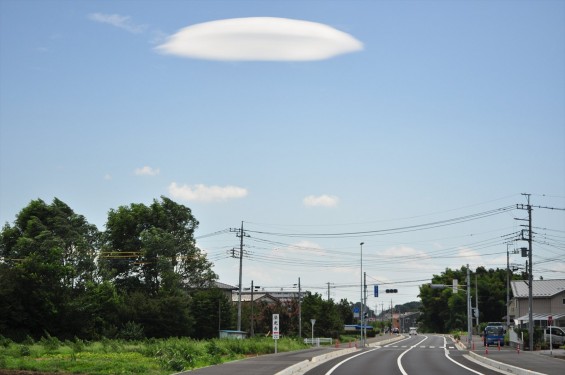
x=275, y=330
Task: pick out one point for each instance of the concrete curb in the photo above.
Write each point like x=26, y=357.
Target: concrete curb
x=503, y=366
x=308, y=364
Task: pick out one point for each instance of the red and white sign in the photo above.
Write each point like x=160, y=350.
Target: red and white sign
x=276, y=326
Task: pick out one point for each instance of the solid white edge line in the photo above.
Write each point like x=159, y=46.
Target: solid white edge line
x=446, y=352
x=347, y=359
x=399, y=359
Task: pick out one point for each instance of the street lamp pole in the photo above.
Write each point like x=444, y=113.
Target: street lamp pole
x=361, y=312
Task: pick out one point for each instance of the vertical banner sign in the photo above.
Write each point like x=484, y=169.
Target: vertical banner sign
x=376, y=291
x=276, y=326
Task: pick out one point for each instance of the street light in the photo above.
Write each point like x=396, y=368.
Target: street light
x=361, y=313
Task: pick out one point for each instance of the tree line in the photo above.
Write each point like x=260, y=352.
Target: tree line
x=444, y=311
x=143, y=276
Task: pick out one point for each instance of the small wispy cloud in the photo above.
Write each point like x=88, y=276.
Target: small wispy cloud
x=122, y=22
x=146, y=171
x=203, y=193
x=321, y=201
x=107, y=177
x=260, y=39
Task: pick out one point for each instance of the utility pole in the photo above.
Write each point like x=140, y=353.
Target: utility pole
x=530, y=275
x=477, y=301
x=252, y=303
x=299, y=310
x=469, y=317
x=364, y=328
x=328, y=291
x=240, y=234
x=508, y=284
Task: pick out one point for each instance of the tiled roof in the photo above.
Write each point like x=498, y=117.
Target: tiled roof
x=220, y=285
x=541, y=288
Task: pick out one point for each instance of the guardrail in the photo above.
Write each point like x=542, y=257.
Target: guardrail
x=318, y=340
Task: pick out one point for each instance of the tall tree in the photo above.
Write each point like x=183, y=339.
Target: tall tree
x=47, y=258
x=152, y=248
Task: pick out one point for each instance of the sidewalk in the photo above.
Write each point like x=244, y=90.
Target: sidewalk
x=516, y=361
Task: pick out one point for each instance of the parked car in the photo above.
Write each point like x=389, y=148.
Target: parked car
x=557, y=336
x=395, y=330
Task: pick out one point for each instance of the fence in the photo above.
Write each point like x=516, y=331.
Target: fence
x=318, y=340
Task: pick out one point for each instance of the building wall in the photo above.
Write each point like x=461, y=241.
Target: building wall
x=558, y=304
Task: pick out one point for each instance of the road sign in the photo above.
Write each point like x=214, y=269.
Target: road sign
x=276, y=326
x=376, y=290
x=550, y=320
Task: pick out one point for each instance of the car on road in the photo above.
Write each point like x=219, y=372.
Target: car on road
x=413, y=331
x=395, y=330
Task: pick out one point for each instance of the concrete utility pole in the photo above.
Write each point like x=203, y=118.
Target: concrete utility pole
x=362, y=307
x=529, y=268
x=477, y=300
x=530, y=279
x=469, y=317
x=299, y=310
x=239, y=233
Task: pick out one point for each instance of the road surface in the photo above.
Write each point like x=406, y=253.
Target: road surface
x=416, y=355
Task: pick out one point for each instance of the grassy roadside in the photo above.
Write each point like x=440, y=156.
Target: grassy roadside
x=153, y=357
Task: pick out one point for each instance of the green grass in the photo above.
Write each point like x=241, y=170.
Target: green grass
x=153, y=357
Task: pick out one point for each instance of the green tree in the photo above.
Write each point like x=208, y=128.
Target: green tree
x=152, y=248
x=328, y=320
x=47, y=259
x=212, y=310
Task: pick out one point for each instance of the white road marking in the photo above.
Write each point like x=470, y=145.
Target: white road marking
x=399, y=360
x=446, y=352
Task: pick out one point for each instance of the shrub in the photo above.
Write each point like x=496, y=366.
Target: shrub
x=132, y=331
x=24, y=351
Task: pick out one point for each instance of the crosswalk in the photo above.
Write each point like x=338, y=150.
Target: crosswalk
x=449, y=347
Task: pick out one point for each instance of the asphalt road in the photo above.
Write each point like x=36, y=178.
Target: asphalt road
x=418, y=355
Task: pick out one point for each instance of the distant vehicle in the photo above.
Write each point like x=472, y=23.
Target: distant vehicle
x=557, y=336
x=413, y=331
x=493, y=335
x=395, y=330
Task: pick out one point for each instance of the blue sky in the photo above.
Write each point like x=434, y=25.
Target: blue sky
x=442, y=110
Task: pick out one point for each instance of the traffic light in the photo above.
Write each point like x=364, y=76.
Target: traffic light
x=391, y=291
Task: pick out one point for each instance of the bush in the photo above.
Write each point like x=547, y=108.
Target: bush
x=132, y=331
x=24, y=351
x=50, y=343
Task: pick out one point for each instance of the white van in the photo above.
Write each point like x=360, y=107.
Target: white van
x=557, y=336
x=413, y=331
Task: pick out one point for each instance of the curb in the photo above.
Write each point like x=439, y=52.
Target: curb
x=503, y=366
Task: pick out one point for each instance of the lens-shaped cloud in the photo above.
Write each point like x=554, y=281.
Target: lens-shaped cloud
x=203, y=193
x=321, y=200
x=260, y=39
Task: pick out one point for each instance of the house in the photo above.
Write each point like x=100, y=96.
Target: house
x=548, y=301
x=257, y=297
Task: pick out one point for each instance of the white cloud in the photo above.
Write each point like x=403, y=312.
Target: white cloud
x=122, y=22
x=260, y=39
x=321, y=200
x=146, y=171
x=107, y=176
x=203, y=193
